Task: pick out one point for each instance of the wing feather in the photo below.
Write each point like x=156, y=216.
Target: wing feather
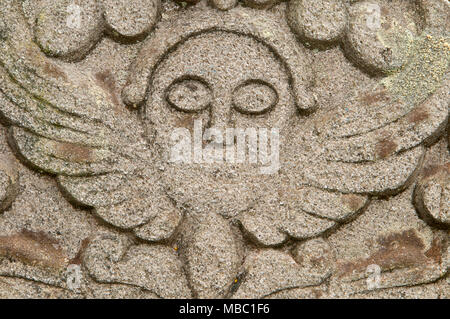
x=63, y=122
x=374, y=143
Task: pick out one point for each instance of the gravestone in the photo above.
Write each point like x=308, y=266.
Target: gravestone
x=224, y=149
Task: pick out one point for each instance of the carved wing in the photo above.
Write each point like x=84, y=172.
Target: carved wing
x=63, y=122
x=372, y=145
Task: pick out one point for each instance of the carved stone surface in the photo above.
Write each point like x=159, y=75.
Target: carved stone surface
x=134, y=162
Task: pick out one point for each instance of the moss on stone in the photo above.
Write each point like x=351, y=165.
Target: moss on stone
x=424, y=72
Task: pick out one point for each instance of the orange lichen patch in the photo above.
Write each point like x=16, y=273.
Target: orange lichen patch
x=435, y=251
x=407, y=238
x=74, y=152
x=418, y=115
x=186, y=121
x=40, y=236
x=385, y=148
x=353, y=202
x=431, y=170
x=108, y=83
x=398, y=250
x=435, y=169
x=374, y=97
x=77, y=260
x=34, y=248
x=54, y=71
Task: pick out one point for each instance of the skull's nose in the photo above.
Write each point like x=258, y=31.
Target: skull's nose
x=220, y=117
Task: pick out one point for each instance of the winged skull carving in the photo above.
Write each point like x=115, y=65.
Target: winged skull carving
x=109, y=158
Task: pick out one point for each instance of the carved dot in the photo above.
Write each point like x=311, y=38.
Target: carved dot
x=255, y=97
x=69, y=31
x=131, y=18
x=380, y=35
x=189, y=95
x=317, y=20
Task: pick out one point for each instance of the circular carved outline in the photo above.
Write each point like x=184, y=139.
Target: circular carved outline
x=181, y=79
x=260, y=82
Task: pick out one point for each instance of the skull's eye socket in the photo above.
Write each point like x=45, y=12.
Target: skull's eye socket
x=188, y=94
x=255, y=97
